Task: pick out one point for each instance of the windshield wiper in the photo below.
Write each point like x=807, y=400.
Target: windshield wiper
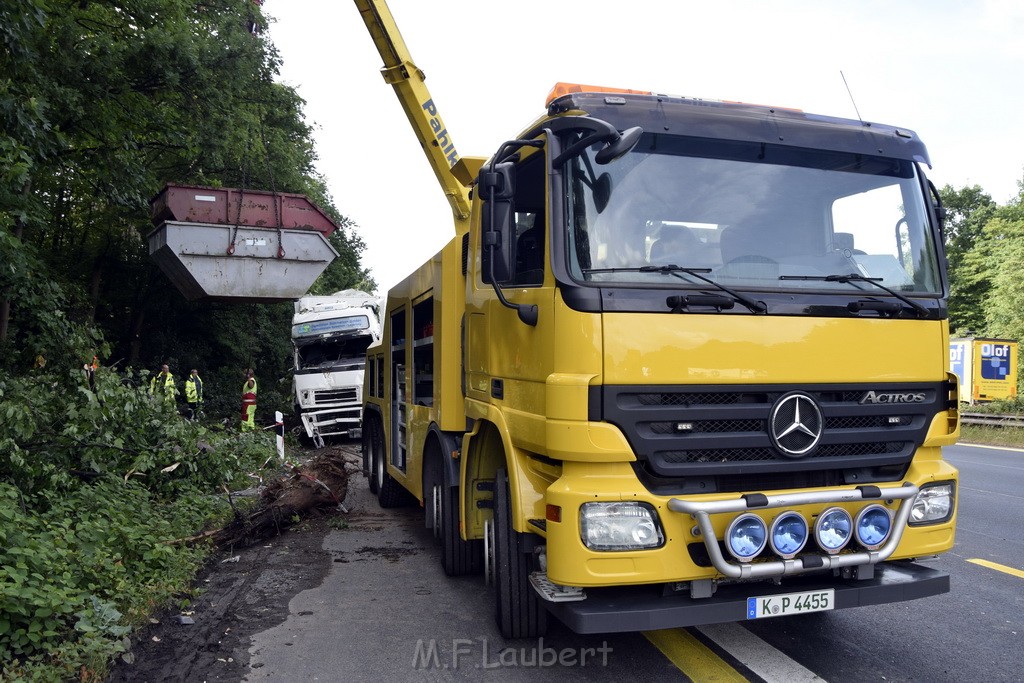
x=857, y=277
x=674, y=270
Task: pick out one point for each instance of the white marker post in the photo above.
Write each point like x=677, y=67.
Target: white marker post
x=279, y=428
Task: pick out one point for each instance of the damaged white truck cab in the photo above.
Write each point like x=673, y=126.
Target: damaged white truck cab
x=330, y=335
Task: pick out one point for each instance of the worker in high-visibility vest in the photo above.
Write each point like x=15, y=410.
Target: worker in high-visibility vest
x=249, y=402
x=194, y=394
x=162, y=385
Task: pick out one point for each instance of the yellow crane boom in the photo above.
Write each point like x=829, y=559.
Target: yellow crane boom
x=455, y=173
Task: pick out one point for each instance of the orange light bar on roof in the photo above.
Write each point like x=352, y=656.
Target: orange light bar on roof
x=566, y=88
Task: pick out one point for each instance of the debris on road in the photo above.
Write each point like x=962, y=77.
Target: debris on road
x=317, y=486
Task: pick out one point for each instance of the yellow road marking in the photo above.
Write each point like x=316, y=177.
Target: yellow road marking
x=1019, y=573
x=994, y=448
x=692, y=657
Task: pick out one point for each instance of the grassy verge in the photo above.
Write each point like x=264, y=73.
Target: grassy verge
x=1007, y=437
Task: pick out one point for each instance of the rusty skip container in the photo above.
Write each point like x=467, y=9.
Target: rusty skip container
x=227, y=205
x=208, y=255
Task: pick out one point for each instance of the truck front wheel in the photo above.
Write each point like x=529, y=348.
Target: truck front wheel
x=518, y=608
x=459, y=557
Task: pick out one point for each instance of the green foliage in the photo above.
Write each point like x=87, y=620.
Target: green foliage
x=80, y=570
x=94, y=485
x=1007, y=437
x=56, y=429
x=101, y=104
x=1004, y=406
x=985, y=246
x=1004, y=312
x=967, y=211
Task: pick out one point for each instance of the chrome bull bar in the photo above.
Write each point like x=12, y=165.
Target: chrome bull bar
x=702, y=511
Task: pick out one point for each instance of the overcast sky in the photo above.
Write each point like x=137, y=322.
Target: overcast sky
x=951, y=70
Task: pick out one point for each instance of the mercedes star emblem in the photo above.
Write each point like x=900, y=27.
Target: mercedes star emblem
x=795, y=424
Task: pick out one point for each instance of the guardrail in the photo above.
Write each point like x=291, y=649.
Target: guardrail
x=991, y=420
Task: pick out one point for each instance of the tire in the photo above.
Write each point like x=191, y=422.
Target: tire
x=458, y=557
x=389, y=493
x=370, y=443
x=432, y=487
x=518, y=609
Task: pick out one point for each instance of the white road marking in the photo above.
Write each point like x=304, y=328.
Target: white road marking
x=764, y=660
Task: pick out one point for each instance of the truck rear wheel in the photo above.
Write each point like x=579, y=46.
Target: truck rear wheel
x=389, y=493
x=518, y=608
x=370, y=462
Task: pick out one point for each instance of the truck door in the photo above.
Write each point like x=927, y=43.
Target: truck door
x=505, y=357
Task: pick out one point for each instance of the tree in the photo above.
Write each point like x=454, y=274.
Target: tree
x=102, y=103
x=967, y=211
x=1004, y=249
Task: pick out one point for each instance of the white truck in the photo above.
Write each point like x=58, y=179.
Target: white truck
x=330, y=335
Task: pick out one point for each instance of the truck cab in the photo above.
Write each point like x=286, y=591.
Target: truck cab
x=330, y=335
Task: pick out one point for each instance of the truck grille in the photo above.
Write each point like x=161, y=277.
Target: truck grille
x=328, y=396
x=714, y=433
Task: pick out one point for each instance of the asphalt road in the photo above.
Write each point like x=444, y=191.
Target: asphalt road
x=386, y=611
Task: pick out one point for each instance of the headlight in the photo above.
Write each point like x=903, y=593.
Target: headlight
x=620, y=526
x=746, y=537
x=933, y=504
x=788, y=534
x=833, y=530
x=873, y=526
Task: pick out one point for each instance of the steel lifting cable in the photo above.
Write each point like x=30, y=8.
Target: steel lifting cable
x=273, y=187
x=233, y=233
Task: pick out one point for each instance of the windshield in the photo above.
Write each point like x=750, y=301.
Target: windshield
x=334, y=354
x=323, y=328
x=749, y=215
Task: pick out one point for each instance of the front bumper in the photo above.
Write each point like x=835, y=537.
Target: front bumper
x=332, y=421
x=645, y=608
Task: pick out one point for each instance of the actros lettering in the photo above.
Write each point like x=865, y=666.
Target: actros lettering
x=441, y=133
x=875, y=397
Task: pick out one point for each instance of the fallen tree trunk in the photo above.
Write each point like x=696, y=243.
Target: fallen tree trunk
x=316, y=487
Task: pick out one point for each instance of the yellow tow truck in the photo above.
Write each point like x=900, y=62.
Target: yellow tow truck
x=683, y=361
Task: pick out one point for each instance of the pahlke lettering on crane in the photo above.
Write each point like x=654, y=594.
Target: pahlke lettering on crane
x=441, y=133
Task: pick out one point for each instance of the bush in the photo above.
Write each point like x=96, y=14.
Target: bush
x=95, y=484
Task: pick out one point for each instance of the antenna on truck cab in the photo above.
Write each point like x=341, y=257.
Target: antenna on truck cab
x=850, y=93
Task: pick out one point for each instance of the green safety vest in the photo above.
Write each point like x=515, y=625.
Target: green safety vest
x=249, y=395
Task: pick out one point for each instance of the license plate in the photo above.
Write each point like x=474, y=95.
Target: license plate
x=790, y=603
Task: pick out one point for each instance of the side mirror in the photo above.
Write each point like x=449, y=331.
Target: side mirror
x=621, y=145
x=497, y=188
x=602, y=191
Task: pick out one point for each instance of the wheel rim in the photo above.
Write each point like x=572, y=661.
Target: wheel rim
x=489, y=564
x=378, y=468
